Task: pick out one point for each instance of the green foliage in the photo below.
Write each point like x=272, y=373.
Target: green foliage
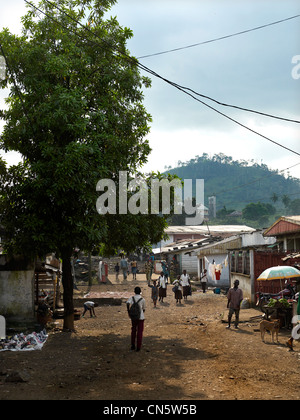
x=75, y=114
x=254, y=211
x=238, y=183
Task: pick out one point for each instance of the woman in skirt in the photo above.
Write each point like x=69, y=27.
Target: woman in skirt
x=162, y=284
x=186, y=285
x=177, y=287
x=154, y=292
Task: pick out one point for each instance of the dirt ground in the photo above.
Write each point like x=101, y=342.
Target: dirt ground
x=187, y=354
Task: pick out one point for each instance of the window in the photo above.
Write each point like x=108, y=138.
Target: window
x=240, y=262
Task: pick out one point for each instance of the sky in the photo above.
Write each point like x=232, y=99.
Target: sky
x=257, y=70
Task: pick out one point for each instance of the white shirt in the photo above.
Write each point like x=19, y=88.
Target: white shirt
x=162, y=282
x=185, y=280
x=204, y=278
x=142, y=304
x=89, y=304
x=177, y=283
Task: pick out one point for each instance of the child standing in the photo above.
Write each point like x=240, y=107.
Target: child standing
x=154, y=292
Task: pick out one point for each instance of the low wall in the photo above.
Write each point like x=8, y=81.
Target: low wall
x=245, y=285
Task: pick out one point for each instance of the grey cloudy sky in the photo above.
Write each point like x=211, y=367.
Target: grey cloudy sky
x=252, y=70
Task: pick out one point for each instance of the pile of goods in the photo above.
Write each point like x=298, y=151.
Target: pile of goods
x=33, y=341
x=281, y=303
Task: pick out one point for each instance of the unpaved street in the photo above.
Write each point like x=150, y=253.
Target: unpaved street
x=187, y=354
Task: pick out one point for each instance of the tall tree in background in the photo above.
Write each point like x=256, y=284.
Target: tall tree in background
x=75, y=114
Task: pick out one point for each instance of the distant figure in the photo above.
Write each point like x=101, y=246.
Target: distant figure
x=124, y=267
x=154, y=292
x=177, y=289
x=100, y=271
x=186, y=284
x=89, y=306
x=117, y=270
x=134, y=269
x=165, y=269
x=203, y=280
x=162, y=284
x=235, y=297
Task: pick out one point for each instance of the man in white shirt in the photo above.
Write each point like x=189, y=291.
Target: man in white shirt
x=204, y=280
x=162, y=285
x=137, y=325
x=186, y=285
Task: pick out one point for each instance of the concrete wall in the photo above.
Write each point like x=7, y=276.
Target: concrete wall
x=17, y=292
x=189, y=263
x=245, y=285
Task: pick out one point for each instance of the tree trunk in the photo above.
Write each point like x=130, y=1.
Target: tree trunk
x=67, y=281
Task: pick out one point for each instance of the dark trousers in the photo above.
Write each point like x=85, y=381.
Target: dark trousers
x=237, y=316
x=137, y=328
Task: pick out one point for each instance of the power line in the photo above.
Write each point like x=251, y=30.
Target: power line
x=243, y=109
x=157, y=75
x=146, y=69
x=220, y=38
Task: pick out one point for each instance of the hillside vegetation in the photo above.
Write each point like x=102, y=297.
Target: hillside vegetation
x=237, y=184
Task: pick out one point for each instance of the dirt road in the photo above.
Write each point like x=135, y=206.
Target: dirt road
x=187, y=354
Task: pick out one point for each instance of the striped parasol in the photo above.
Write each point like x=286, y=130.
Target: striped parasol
x=279, y=272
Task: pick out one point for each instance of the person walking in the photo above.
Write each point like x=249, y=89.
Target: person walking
x=117, y=270
x=124, y=267
x=165, y=269
x=235, y=297
x=203, y=280
x=186, y=284
x=177, y=288
x=137, y=325
x=162, y=284
x=134, y=269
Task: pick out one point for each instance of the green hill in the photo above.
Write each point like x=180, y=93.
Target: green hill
x=239, y=183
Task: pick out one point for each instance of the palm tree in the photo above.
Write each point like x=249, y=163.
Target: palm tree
x=274, y=198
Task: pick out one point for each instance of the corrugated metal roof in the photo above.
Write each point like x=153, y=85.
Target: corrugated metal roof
x=220, y=247
x=283, y=225
x=183, y=245
x=203, y=229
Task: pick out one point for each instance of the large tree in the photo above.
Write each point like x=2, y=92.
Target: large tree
x=76, y=116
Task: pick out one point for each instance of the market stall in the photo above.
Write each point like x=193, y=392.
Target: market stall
x=280, y=305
